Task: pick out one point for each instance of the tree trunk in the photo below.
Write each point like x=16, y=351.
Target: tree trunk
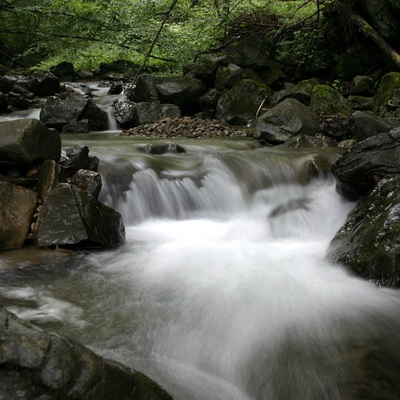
x=372, y=34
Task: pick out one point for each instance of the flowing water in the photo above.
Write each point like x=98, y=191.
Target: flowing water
x=222, y=290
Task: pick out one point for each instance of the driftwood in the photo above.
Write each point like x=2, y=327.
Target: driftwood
x=372, y=34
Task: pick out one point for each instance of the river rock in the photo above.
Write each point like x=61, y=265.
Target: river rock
x=181, y=91
x=17, y=205
x=389, y=83
x=328, y=101
x=286, y=119
x=50, y=175
x=68, y=108
x=72, y=217
x=367, y=124
x=28, y=141
x=369, y=242
x=44, y=84
x=125, y=112
x=64, y=71
x=151, y=112
x=76, y=158
x=37, y=365
x=161, y=148
x=239, y=105
x=17, y=101
x=365, y=164
x=90, y=181
x=205, y=67
x=145, y=88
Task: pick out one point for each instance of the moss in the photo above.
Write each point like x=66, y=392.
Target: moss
x=328, y=101
x=389, y=83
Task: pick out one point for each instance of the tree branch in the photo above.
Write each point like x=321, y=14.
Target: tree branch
x=372, y=34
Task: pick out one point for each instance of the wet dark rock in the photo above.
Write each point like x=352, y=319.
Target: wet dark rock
x=17, y=205
x=17, y=101
x=76, y=158
x=227, y=77
x=124, y=67
x=288, y=118
x=64, y=71
x=208, y=101
x=44, y=84
x=369, y=242
x=388, y=84
x=125, y=113
x=50, y=175
x=3, y=102
x=7, y=83
x=116, y=88
x=71, y=217
x=37, y=365
x=360, y=103
x=162, y=148
x=70, y=108
x=150, y=112
x=365, y=164
x=23, y=92
x=182, y=92
x=90, y=181
x=145, y=89
x=28, y=141
x=239, y=105
x=366, y=125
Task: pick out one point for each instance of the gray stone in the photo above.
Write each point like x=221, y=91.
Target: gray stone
x=36, y=365
x=17, y=205
x=239, y=105
x=71, y=107
x=28, y=141
x=76, y=158
x=358, y=170
x=369, y=242
x=366, y=125
x=286, y=119
x=125, y=113
x=50, y=175
x=151, y=112
x=90, y=181
x=328, y=101
x=72, y=217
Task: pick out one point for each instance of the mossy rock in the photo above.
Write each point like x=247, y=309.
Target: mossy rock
x=389, y=83
x=328, y=101
x=369, y=243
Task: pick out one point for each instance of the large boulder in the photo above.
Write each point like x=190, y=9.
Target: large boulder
x=358, y=170
x=366, y=124
x=328, y=101
x=37, y=365
x=73, y=109
x=239, y=105
x=286, y=119
x=72, y=217
x=369, y=242
x=28, y=141
x=65, y=71
x=389, y=83
x=181, y=91
x=125, y=112
x=145, y=88
x=17, y=205
x=205, y=67
x=44, y=84
x=151, y=112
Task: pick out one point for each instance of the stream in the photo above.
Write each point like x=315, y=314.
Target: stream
x=222, y=290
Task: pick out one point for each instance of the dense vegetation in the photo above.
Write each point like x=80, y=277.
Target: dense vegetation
x=89, y=32
x=166, y=34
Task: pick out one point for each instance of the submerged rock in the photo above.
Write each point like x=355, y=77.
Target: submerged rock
x=369, y=242
x=35, y=364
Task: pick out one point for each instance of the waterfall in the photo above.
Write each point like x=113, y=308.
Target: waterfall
x=222, y=290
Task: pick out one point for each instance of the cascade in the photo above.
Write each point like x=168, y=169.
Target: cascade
x=222, y=290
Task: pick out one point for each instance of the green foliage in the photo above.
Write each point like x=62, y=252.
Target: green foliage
x=89, y=32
